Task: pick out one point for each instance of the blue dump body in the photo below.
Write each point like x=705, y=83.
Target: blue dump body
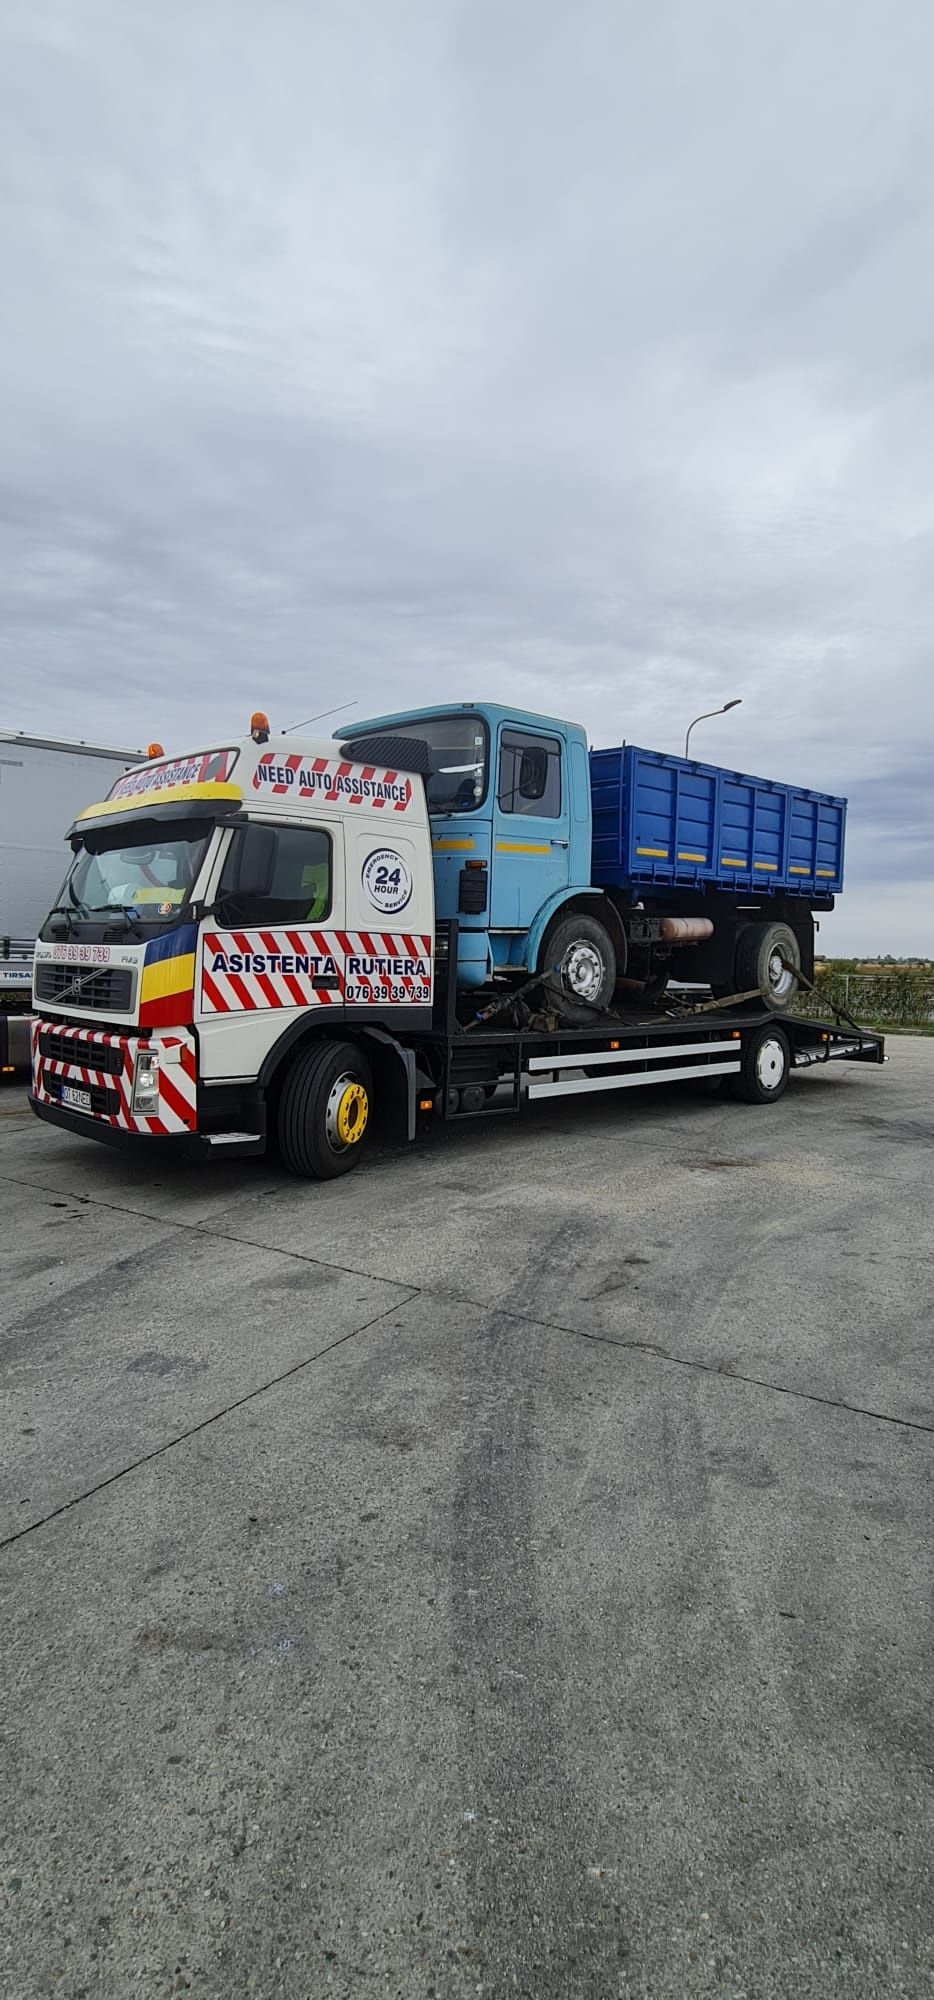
x=667, y=821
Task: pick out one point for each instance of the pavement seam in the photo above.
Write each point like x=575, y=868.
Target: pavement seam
x=217, y=1416
x=754, y=1381
x=443, y=1297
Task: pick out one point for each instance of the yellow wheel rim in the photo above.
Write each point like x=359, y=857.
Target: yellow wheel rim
x=353, y=1110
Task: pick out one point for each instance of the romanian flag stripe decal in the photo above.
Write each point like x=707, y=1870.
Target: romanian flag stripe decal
x=166, y=995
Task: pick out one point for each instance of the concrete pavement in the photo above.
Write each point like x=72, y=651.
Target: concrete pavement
x=506, y=1571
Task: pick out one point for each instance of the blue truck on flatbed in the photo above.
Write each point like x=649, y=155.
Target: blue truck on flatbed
x=617, y=869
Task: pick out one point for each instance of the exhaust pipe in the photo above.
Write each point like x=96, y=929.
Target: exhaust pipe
x=684, y=930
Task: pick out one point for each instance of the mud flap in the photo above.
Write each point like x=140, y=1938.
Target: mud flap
x=407, y=1059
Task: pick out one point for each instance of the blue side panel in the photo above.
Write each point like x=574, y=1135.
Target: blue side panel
x=675, y=823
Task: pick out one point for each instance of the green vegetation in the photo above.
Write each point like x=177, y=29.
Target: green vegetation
x=883, y=993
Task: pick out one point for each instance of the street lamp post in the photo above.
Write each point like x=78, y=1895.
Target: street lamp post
x=735, y=703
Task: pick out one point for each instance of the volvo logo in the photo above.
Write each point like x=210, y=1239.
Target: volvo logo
x=76, y=986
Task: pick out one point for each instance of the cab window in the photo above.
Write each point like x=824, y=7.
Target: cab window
x=530, y=775
x=277, y=875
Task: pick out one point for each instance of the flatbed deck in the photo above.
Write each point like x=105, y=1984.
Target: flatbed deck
x=628, y=1048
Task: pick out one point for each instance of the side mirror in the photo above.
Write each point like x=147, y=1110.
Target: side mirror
x=255, y=862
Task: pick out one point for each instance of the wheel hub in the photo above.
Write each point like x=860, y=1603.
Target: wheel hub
x=347, y=1112
x=582, y=971
x=781, y=981
x=770, y=1063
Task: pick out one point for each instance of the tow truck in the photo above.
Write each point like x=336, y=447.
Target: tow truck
x=268, y=940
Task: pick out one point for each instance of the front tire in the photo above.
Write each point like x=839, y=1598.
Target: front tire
x=579, y=954
x=766, y=1066
x=324, y=1110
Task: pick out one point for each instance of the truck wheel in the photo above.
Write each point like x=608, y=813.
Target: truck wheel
x=324, y=1110
x=585, y=961
x=766, y=1063
x=759, y=953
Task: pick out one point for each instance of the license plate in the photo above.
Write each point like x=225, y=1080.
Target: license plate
x=80, y=1100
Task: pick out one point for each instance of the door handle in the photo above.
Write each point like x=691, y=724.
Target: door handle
x=560, y=843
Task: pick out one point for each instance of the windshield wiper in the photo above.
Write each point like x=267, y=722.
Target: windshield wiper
x=66, y=910
x=115, y=911
x=118, y=913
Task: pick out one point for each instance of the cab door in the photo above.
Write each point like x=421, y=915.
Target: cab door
x=531, y=826
x=271, y=948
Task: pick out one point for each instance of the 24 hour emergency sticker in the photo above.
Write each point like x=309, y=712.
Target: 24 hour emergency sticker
x=387, y=880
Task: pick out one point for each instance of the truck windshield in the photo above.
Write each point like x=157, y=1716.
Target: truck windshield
x=457, y=746
x=142, y=875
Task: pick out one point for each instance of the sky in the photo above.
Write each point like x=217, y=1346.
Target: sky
x=401, y=351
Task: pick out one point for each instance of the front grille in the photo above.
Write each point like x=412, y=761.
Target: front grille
x=109, y=990
x=104, y=1101
x=104, y=1056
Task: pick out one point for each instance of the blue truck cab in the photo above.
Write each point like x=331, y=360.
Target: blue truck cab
x=509, y=801
x=615, y=866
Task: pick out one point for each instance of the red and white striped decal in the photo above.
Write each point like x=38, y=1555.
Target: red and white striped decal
x=246, y=971
x=177, y=1076
x=205, y=767
x=332, y=783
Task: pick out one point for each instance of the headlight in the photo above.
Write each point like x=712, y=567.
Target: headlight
x=146, y=1083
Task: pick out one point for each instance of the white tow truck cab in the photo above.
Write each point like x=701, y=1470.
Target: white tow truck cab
x=245, y=946
x=251, y=913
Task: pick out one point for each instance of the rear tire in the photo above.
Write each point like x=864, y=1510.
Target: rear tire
x=582, y=951
x=760, y=950
x=766, y=1066
x=324, y=1110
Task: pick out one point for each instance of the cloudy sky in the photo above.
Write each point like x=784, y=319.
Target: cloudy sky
x=577, y=355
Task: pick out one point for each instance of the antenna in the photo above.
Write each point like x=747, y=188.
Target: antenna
x=319, y=717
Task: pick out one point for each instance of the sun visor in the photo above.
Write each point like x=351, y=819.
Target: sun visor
x=397, y=753
x=170, y=802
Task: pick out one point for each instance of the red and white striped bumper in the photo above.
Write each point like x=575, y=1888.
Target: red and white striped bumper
x=102, y=1065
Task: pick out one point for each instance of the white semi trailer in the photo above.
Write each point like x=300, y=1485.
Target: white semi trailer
x=43, y=784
